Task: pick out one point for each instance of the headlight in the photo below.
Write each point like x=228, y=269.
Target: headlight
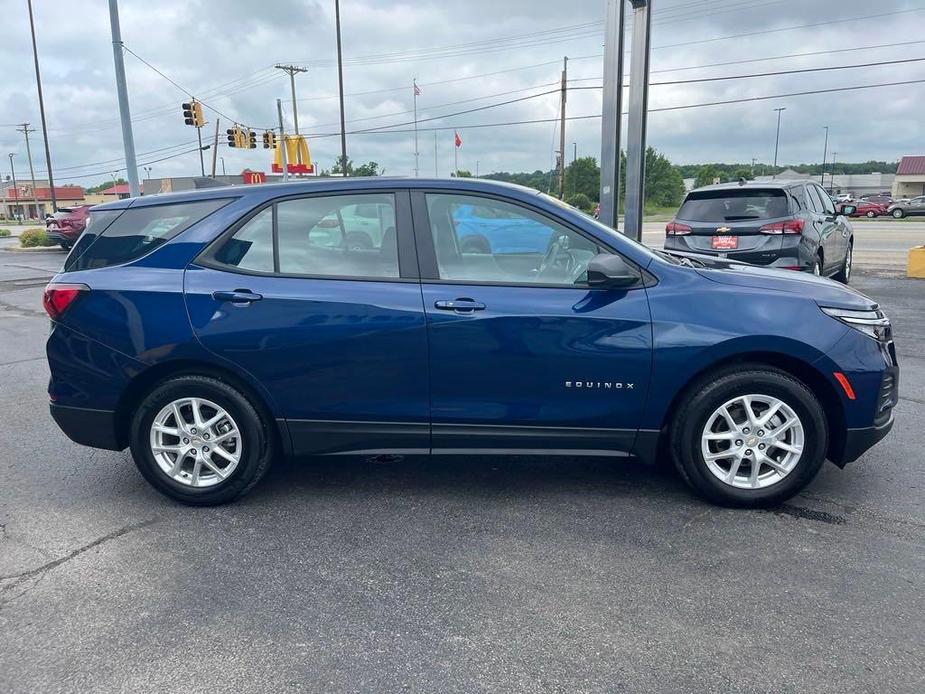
x=874, y=323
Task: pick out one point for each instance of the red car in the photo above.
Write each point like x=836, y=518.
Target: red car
x=867, y=209
x=67, y=224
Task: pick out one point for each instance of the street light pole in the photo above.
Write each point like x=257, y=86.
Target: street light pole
x=128, y=140
x=636, y=122
x=15, y=189
x=825, y=151
x=777, y=140
x=38, y=84
x=340, y=88
x=611, y=116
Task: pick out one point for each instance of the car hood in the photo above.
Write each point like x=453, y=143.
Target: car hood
x=824, y=292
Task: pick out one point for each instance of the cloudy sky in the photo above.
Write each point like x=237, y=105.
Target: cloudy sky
x=466, y=55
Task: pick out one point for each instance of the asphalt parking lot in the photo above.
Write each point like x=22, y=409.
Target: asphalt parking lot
x=447, y=574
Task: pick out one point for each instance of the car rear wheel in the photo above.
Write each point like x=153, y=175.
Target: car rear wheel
x=845, y=273
x=749, y=436
x=871, y=214
x=200, y=441
x=897, y=214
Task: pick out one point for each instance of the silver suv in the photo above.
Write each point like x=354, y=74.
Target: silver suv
x=913, y=207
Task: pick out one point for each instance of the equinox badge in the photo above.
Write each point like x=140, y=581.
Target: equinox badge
x=599, y=385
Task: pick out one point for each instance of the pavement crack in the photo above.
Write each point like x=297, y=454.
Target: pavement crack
x=39, y=571
x=21, y=361
x=917, y=401
x=808, y=514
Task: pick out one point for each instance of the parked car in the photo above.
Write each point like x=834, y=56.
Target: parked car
x=791, y=225
x=210, y=333
x=66, y=225
x=863, y=209
x=910, y=208
x=884, y=200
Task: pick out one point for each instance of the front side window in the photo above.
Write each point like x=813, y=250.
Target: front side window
x=484, y=240
x=827, y=205
x=118, y=236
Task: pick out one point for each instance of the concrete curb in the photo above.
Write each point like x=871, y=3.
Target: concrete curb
x=39, y=249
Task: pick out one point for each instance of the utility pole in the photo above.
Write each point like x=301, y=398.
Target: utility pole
x=754, y=159
x=223, y=165
x=777, y=140
x=476, y=168
x=636, y=124
x=38, y=84
x=15, y=189
x=832, y=175
x=340, y=87
x=25, y=130
x=215, y=147
x=414, y=92
x=128, y=140
x=436, y=168
x=563, y=92
x=282, y=142
x=612, y=113
x=292, y=70
x=825, y=149
x=202, y=163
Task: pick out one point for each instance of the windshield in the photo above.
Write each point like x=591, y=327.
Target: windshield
x=603, y=227
x=734, y=205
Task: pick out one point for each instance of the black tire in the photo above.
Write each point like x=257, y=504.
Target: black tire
x=844, y=274
x=705, y=397
x=816, y=267
x=65, y=246
x=897, y=213
x=256, y=437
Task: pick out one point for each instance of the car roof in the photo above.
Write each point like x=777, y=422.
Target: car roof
x=753, y=185
x=318, y=185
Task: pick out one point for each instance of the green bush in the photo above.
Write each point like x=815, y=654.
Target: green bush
x=581, y=201
x=34, y=238
x=4, y=232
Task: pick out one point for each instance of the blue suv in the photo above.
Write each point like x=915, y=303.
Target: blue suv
x=214, y=331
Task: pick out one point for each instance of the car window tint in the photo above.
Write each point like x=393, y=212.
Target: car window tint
x=815, y=203
x=136, y=231
x=251, y=246
x=731, y=205
x=827, y=205
x=481, y=239
x=338, y=235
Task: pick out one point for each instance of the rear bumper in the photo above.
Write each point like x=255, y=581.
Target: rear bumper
x=95, y=428
x=858, y=441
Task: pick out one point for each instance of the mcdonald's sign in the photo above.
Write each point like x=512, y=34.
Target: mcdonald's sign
x=298, y=158
x=253, y=177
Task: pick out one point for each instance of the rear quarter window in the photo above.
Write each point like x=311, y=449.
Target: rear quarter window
x=114, y=237
x=734, y=205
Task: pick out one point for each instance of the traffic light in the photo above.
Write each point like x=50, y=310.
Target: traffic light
x=237, y=137
x=251, y=139
x=269, y=139
x=192, y=114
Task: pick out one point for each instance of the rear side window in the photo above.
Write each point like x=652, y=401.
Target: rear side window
x=134, y=232
x=734, y=205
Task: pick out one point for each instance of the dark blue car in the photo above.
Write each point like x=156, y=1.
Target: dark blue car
x=216, y=330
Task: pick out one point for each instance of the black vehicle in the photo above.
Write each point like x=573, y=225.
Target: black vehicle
x=791, y=225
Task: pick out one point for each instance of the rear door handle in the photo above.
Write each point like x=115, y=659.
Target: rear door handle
x=460, y=305
x=238, y=296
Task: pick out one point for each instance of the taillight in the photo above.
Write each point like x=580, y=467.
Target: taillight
x=59, y=297
x=791, y=226
x=674, y=228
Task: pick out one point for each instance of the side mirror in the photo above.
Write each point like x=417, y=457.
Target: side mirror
x=848, y=210
x=609, y=270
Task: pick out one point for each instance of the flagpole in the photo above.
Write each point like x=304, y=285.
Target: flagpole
x=455, y=156
x=414, y=91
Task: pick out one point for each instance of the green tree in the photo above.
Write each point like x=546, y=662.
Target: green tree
x=742, y=172
x=664, y=186
x=103, y=186
x=581, y=201
x=706, y=175
x=583, y=176
x=463, y=173
x=370, y=168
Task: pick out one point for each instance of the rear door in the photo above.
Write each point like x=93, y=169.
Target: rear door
x=829, y=226
x=334, y=330
x=728, y=222
x=523, y=355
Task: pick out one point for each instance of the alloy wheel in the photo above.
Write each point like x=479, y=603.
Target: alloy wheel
x=752, y=441
x=195, y=442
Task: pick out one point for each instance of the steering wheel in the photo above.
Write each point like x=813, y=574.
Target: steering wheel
x=557, y=256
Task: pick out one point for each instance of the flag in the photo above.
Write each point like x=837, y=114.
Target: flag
x=457, y=139
x=417, y=90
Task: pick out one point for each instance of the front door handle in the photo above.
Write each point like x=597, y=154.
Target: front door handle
x=238, y=296
x=462, y=305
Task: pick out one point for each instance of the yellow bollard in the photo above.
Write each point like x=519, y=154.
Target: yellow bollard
x=916, y=266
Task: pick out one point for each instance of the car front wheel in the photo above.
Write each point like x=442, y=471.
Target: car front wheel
x=200, y=441
x=897, y=214
x=752, y=436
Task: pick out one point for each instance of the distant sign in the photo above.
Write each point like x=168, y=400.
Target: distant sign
x=253, y=177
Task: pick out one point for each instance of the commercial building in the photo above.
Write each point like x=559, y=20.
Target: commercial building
x=910, y=177
x=22, y=201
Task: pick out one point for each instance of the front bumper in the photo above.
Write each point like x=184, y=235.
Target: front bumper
x=94, y=428
x=858, y=441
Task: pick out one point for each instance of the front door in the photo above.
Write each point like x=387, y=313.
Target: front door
x=332, y=328
x=522, y=354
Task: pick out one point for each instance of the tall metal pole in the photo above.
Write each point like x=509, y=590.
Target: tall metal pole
x=414, y=91
x=613, y=107
x=128, y=140
x=638, y=113
x=340, y=88
x=202, y=163
x=825, y=151
x=436, y=169
x=777, y=140
x=25, y=130
x=563, y=92
x=38, y=84
x=832, y=174
x=15, y=189
x=282, y=142
x=215, y=148
x=455, y=156
x=223, y=165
